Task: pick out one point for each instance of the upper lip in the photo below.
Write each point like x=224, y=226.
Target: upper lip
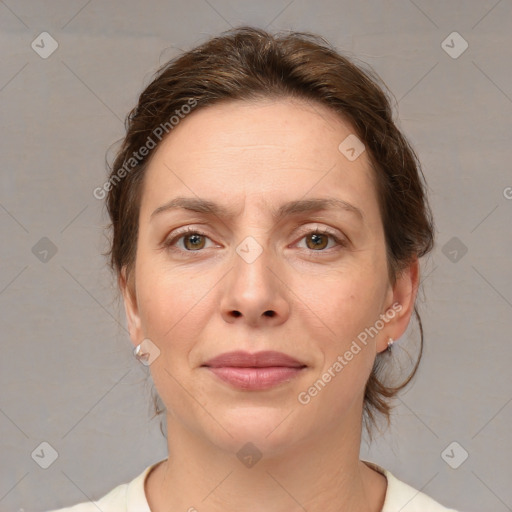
x=263, y=359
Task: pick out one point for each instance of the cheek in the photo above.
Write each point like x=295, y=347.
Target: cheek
x=346, y=302
x=171, y=303
x=348, y=307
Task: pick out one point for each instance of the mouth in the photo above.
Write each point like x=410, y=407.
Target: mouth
x=259, y=371
x=265, y=359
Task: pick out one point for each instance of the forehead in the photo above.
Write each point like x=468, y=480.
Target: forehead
x=284, y=149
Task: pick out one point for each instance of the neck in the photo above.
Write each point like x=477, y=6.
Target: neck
x=321, y=473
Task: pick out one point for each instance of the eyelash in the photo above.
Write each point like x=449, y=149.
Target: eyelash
x=168, y=244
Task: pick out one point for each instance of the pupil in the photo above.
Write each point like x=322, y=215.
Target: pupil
x=316, y=238
x=194, y=240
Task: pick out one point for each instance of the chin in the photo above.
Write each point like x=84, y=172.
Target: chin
x=267, y=428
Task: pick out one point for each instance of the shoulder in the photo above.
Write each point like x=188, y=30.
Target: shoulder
x=404, y=498
x=115, y=500
x=126, y=497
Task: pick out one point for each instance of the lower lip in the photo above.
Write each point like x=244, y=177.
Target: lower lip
x=255, y=378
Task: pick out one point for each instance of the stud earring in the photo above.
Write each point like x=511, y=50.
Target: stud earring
x=390, y=344
x=146, y=352
x=141, y=355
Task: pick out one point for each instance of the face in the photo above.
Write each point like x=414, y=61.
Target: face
x=258, y=275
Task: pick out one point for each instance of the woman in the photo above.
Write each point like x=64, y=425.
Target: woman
x=267, y=219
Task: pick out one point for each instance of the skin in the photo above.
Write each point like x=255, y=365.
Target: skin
x=252, y=157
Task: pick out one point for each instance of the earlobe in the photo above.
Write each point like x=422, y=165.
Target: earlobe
x=127, y=288
x=402, y=303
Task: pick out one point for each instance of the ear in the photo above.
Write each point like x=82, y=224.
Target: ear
x=400, y=304
x=131, y=308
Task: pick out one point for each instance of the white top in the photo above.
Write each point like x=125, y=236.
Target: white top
x=131, y=497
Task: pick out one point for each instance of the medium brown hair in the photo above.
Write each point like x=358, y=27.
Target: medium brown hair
x=248, y=63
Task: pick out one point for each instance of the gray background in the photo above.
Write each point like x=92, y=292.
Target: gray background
x=68, y=376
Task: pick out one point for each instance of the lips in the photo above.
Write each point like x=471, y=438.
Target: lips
x=254, y=372
x=240, y=359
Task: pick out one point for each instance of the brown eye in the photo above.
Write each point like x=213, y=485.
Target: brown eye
x=193, y=241
x=318, y=241
x=188, y=240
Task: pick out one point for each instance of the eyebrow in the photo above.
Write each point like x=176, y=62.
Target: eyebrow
x=207, y=207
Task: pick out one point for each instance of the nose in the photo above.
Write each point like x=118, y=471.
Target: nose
x=254, y=291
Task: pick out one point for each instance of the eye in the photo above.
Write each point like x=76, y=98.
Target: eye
x=317, y=240
x=193, y=240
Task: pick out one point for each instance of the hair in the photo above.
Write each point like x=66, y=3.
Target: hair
x=246, y=64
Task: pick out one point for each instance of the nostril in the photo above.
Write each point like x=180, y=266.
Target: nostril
x=270, y=313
